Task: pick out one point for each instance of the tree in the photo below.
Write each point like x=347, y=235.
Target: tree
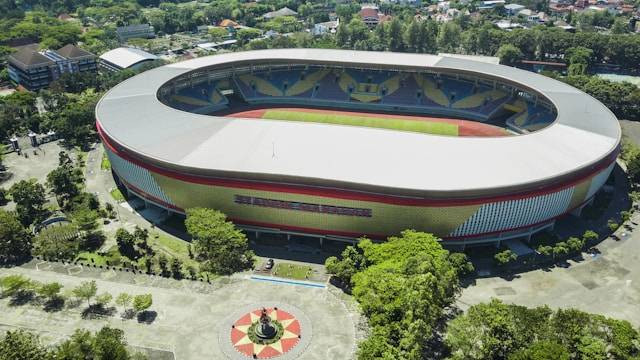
x=560, y=249
x=50, y=291
x=217, y=34
x=142, y=302
x=15, y=285
x=57, y=242
x=613, y=225
x=403, y=288
x=104, y=299
x=21, y=345
x=176, y=268
x=509, y=54
x=449, y=37
x=29, y=197
x=244, y=35
x=123, y=300
x=62, y=182
x=126, y=242
x=352, y=260
x=15, y=240
x=162, y=263
x=219, y=244
x=86, y=290
x=590, y=236
x=545, y=250
x=543, y=350
x=505, y=257
x=107, y=344
x=625, y=216
x=575, y=244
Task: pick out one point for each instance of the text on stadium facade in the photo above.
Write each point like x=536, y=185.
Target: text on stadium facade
x=294, y=205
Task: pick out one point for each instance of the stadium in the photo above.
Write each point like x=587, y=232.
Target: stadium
x=342, y=144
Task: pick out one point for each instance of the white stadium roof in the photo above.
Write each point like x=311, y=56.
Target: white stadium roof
x=584, y=133
x=125, y=57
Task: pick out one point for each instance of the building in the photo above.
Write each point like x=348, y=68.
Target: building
x=35, y=70
x=285, y=11
x=328, y=27
x=513, y=9
x=138, y=31
x=125, y=58
x=371, y=16
x=338, y=182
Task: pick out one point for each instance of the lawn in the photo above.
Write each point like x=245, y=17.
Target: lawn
x=105, y=164
x=421, y=126
x=292, y=271
x=116, y=194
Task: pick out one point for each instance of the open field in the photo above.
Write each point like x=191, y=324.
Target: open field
x=292, y=271
x=420, y=124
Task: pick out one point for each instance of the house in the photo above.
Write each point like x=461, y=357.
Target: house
x=35, y=70
x=372, y=16
x=227, y=23
x=490, y=4
x=513, y=9
x=139, y=31
x=285, y=11
x=328, y=27
x=125, y=58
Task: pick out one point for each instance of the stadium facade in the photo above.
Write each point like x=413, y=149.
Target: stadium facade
x=343, y=181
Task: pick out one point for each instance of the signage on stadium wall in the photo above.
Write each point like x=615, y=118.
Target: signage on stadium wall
x=293, y=205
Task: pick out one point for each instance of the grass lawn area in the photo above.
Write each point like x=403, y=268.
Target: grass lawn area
x=292, y=271
x=116, y=194
x=105, y=164
x=427, y=127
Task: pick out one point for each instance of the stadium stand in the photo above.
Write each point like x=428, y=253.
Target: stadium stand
x=530, y=117
x=329, y=88
x=200, y=98
x=305, y=85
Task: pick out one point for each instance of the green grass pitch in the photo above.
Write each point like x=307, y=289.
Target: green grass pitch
x=426, y=127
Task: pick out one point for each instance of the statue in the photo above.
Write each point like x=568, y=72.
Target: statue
x=265, y=329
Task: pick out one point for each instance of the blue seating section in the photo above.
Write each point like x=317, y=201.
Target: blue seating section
x=328, y=89
x=281, y=77
x=460, y=88
x=363, y=76
x=407, y=93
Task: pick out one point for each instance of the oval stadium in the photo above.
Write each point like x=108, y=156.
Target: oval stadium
x=342, y=144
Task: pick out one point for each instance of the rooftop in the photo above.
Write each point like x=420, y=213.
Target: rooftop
x=125, y=57
x=585, y=132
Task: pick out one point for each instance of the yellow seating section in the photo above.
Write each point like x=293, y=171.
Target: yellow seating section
x=364, y=97
x=262, y=85
x=476, y=100
x=517, y=106
x=392, y=84
x=306, y=84
x=431, y=91
x=215, y=97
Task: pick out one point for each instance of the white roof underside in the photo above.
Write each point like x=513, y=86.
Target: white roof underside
x=125, y=57
x=585, y=131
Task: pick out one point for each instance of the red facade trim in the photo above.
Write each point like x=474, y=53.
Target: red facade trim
x=348, y=194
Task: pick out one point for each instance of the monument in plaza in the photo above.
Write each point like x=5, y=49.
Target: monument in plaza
x=265, y=329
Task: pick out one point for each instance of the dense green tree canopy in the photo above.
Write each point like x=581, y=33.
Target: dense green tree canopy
x=15, y=240
x=403, y=286
x=500, y=331
x=29, y=197
x=219, y=244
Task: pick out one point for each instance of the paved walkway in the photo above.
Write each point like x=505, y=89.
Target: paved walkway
x=607, y=284
x=189, y=313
